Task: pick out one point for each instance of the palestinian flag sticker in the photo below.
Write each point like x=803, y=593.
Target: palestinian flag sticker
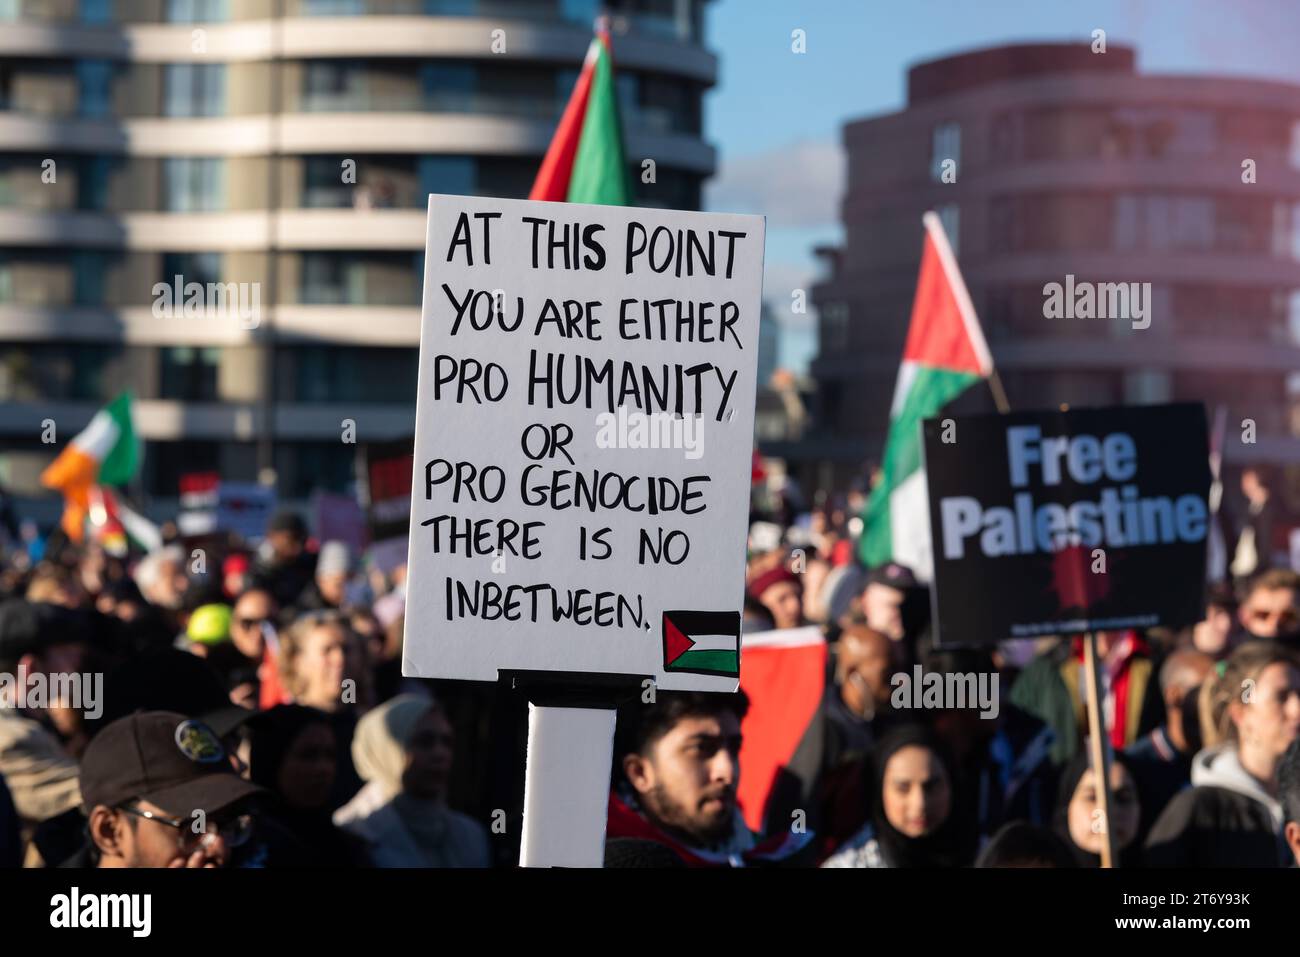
x=702, y=642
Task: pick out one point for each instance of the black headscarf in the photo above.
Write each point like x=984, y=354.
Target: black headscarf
x=295, y=837
x=273, y=733
x=943, y=846
x=1070, y=776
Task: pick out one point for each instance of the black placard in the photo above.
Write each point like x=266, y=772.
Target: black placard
x=1049, y=523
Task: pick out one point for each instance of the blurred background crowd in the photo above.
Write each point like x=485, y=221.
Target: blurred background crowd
x=279, y=667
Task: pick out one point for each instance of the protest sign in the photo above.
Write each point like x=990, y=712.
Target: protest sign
x=339, y=518
x=386, y=487
x=583, y=443
x=245, y=508
x=1066, y=522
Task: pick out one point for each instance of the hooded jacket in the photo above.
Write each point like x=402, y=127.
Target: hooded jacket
x=1225, y=819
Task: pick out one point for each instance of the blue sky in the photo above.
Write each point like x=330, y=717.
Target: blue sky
x=776, y=116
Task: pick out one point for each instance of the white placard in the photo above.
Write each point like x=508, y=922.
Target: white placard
x=569, y=355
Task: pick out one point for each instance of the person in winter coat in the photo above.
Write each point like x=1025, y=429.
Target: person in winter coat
x=1051, y=688
x=403, y=749
x=1232, y=815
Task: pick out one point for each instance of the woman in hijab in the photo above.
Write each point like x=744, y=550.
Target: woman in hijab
x=1078, y=818
x=403, y=750
x=911, y=823
x=292, y=755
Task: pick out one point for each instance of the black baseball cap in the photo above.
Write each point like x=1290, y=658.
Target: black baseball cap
x=165, y=758
x=892, y=574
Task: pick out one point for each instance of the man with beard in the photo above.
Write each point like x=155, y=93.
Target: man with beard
x=680, y=769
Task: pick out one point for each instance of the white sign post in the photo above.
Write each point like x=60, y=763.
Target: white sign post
x=580, y=498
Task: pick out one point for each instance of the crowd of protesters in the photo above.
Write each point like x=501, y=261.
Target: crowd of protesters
x=249, y=710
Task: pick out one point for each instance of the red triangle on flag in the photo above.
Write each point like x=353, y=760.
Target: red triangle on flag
x=676, y=643
x=940, y=336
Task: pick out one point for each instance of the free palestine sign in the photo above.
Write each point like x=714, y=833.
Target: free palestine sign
x=584, y=432
x=1051, y=523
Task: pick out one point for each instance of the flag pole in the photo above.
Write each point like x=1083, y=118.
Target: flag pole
x=999, y=396
x=1098, y=746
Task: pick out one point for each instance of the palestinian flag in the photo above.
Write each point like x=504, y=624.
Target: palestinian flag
x=585, y=161
x=702, y=642
x=945, y=355
x=784, y=678
x=106, y=452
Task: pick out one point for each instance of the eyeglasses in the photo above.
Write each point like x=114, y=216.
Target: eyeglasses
x=234, y=831
x=248, y=624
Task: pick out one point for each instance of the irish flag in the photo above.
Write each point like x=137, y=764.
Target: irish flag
x=104, y=453
x=585, y=161
x=945, y=355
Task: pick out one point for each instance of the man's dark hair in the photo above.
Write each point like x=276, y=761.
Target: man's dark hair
x=641, y=725
x=1288, y=783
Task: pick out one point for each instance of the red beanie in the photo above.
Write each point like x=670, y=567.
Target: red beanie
x=773, y=576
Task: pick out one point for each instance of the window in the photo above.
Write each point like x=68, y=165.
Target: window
x=1293, y=316
x=93, y=173
x=188, y=372
x=88, y=277
x=336, y=374
x=95, y=87
x=307, y=467
x=323, y=185
x=449, y=86
x=333, y=85
x=361, y=278
x=945, y=145
x=450, y=7
x=447, y=174
x=198, y=11
x=582, y=11
x=1163, y=222
x=331, y=8
x=190, y=267
x=1146, y=386
x=332, y=279
x=96, y=11
x=1159, y=131
x=193, y=184
x=835, y=326
x=194, y=89
x=77, y=372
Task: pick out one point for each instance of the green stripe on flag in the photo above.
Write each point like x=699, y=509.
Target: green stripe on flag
x=725, y=662
x=599, y=169
x=123, y=459
x=931, y=390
